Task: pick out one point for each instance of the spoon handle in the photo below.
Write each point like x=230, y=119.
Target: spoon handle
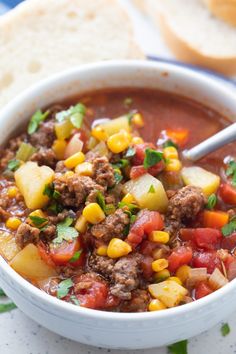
x=225, y=136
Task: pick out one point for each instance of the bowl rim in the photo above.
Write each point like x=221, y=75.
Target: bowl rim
x=71, y=309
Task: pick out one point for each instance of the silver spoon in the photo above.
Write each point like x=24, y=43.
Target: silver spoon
x=225, y=136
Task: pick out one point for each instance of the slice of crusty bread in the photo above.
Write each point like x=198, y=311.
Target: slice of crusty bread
x=42, y=37
x=224, y=9
x=194, y=35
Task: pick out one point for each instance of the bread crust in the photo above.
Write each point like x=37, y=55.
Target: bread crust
x=223, y=9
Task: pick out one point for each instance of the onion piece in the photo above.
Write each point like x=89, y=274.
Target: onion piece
x=217, y=280
x=99, y=121
x=195, y=276
x=232, y=270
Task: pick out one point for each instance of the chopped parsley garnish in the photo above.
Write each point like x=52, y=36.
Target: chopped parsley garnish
x=7, y=307
x=225, y=329
x=75, y=114
x=121, y=164
x=231, y=171
x=118, y=177
x=151, y=189
x=25, y=151
x=65, y=231
x=35, y=120
x=76, y=256
x=152, y=157
x=2, y=293
x=229, y=228
x=64, y=288
x=13, y=165
x=211, y=202
x=131, y=207
x=101, y=200
x=55, y=207
x=74, y=300
x=170, y=143
x=178, y=348
x=51, y=192
x=38, y=221
x=130, y=152
x=133, y=218
x=128, y=101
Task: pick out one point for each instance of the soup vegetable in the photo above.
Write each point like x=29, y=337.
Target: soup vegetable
x=106, y=214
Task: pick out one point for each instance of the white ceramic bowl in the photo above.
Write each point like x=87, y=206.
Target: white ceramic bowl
x=109, y=329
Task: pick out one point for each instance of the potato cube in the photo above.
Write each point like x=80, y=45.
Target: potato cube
x=148, y=192
x=31, y=180
x=30, y=265
x=116, y=125
x=198, y=177
x=8, y=246
x=169, y=292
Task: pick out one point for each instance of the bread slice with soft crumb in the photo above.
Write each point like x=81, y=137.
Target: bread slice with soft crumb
x=194, y=35
x=224, y=9
x=40, y=38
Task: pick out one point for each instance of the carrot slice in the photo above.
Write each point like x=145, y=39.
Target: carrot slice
x=215, y=219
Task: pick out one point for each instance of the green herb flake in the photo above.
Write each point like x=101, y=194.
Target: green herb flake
x=169, y=143
x=74, y=113
x=131, y=207
x=118, y=177
x=35, y=120
x=151, y=189
x=13, y=165
x=109, y=209
x=152, y=157
x=25, y=151
x=56, y=194
x=2, y=293
x=76, y=256
x=133, y=218
x=178, y=348
x=225, y=329
x=74, y=300
x=128, y=101
x=64, y=288
x=101, y=200
x=48, y=190
x=229, y=228
x=130, y=152
x=38, y=221
x=55, y=207
x=231, y=171
x=7, y=307
x=121, y=164
x=211, y=202
x=65, y=231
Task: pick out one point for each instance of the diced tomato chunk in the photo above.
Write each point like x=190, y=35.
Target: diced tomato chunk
x=206, y=259
x=93, y=293
x=227, y=193
x=62, y=253
x=137, y=171
x=146, y=222
x=206, y=238
x=140, y=153
x=229, y=242
x=147, y=247
x=202, y=289
x=179, y=256
x=45, y=254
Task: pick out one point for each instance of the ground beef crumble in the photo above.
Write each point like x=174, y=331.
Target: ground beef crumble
x=103, y=172
x=44, y=156
x=26, y=234
x=44, y=136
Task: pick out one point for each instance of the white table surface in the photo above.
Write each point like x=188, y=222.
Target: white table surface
x=21, y=335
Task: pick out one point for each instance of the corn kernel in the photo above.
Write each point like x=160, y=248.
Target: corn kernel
x=93, y=213
x=74, y=160
x=84, y=169
x=12, y=192
x=128, y=198
x=137, y=119
x=183, y=273
x=59, y=147
x=118, y=248
x=39, y=213
x=156, y=305
x=81, y=224
x=137, y=140
x=173, y=165
x=159, y=236
x=69, y=174
x=159, y=264
x=176, y=279
x=162, y=275
x=102, y=251
x=119, y=142
x=170, y=152
x=13, y=223
x=99, y=133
